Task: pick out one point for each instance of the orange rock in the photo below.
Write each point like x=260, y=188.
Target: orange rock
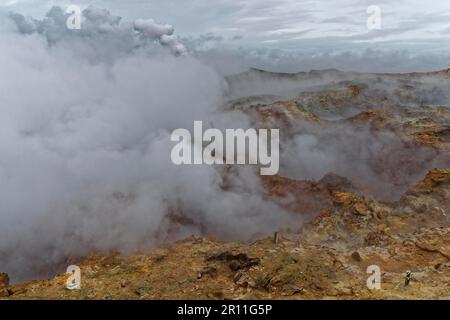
x=433, y=179
x=343, y=198
x=361, y=208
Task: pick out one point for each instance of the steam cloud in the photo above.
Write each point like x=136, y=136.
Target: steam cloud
x=85, y=135
x=99, y=26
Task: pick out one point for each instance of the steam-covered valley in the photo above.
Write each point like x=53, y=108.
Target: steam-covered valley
x=87, y=179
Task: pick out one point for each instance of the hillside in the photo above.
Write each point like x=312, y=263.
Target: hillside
x=372, y=187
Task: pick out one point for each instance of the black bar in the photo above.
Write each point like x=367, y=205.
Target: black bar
x=262, y=309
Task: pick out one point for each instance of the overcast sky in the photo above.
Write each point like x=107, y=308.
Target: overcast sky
x=312, y=26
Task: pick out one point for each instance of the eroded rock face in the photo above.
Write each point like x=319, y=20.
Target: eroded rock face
x=396, y=125
x=351, y=225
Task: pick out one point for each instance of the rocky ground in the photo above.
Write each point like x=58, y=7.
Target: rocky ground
x=350, y=226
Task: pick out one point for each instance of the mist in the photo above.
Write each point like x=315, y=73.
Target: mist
x=85, y=145
x=381, y=163
x=85, y=141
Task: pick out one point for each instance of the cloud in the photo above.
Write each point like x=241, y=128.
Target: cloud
x=99, y=22
x=288, y=61
x=259, y=20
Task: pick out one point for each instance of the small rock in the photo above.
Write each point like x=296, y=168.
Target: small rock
x=242, y=279
x=4, y=280
x=235, y=261
x=4, y=292
x=377, y=239
x=207, y=271
x=343, y=198
x=216, y=295
x=356, y=256
x=360, y=208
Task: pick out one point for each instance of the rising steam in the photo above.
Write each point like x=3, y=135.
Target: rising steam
x=85, y=135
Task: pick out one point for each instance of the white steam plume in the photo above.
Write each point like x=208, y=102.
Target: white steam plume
x=99, y=25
